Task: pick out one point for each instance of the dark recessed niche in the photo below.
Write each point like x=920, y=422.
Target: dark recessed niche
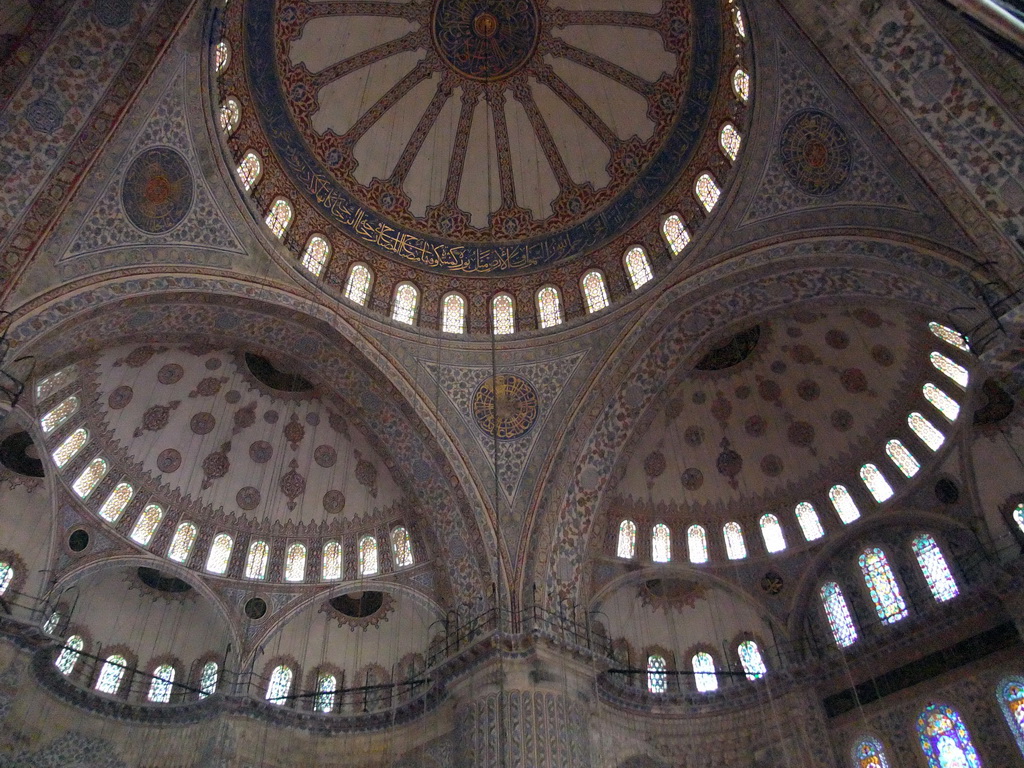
x=358, y=605
x=78, y=540
x=273, y=377
x=947, y=491
x=18, y=454
x=151, y=577
x=256, y=608
x=732, y=351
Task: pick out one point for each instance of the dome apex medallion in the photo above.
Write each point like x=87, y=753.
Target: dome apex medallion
x=485, y=39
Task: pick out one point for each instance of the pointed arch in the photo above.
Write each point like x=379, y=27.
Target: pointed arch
x=405, y=303
x=549, y=307
x=771, y=531
x=882, y=586
x=697, y=544
x=453, y=313
x=945, y=740
x=661, y=543
x=638, y=267
x=503, y=314
x=838, y=614
x=594, y=290
x=359, y=283
x=316, y=254
x=1010, y=695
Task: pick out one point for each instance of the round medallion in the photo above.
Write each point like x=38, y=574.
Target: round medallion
x=505, y=405
x=815, y=152
x=120, y=397
x=158, y=190
x=248, y=498
x=485, y=39
x=170, y=374
x=168, y=461
x=203, y=423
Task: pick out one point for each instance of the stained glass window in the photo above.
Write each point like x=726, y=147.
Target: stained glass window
x=51, y=383
x=945, y=740
x=594, y=291
x=6, y=576
x=934, y=567
x=774, y=541
x=403, y=309
x=657, y=679
x=326, y=685
x=882, y=586
x=59, y=415
x=50, y=627
x=1011, y=701
x=843, y=503
x=453, y=314
x=638, y=268
x=111, y=673
x=115, y=503
x=208, y=679
x=503, y=314
x=675, y=233
x=401, y=545
x=697, y=544
x=549, y=306
x=249, y=170
x=925, y=430
x=838, y=613
x=220, y=553
x=737, y=20
x=902, y=457
x=627, y=540
x=368, y=556
x=230, y=116
x=868, y=753
x=295, y=562
x=331, y=566
x=956, y=372
x=68, y=449
x=146, y=525
x=1018, y=516
x=707, y=191
x=946, y=404
x=280, y=684
x=182, y=542
x=876, y=482
x=221, y=56
x=752, y=661
x=162, y=684
x=741, y=85
x=279, y=217
x=69, y=654
x=316, y=254
x=661, y=543
x=90, y=476
x=729, y=139
x=704, y=676
x=735, y=547
x=949, y=336
x=807, y=517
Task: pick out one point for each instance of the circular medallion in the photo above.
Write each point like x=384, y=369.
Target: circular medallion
x=505, y=405
x=248, y=498
x=815, y=152
x=170, y=374
x=485, y=39
x=168, y=461
x=158, y=190
x=120, y=397
x=203, y=423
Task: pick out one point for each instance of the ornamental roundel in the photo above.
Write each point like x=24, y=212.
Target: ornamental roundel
x=816, y=152
x=485, y=39
x=157, y=191
x=505, y=405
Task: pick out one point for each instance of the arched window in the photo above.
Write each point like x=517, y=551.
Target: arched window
x=949, y=336
x=1018, y=516
x=331, y=564
x=729, y=140
x=249, y=170
x=357, y=286
x=741, y=85
x=220, y=553
x=68, y=449
x=295, y=562
x=181, y=544
x=594, y=291
x=549, y=306
x=256, y=560
x=638, y=267
x=902, y=457
x=661, y=543
x=6, y=576
x=280, y=685
x=876, y=482
x=453, y=313
x=704, y=676
x=90, y=477
x=146, y=525
x=925, y=430
x=111, y=673
x=69, y=654
x=707, y=191
x=737, y=21
x=697, y=544
x=162, y=684
x=807, y=517
x=230, y=116
x=956, y=372
x=326, y=685
x=54, y=381
x=58, y=415
x=657, y=679
x=1011, y=701
x=208, y=679
x=771, y=531
x=503, y=314
x=868, y=753
x=752, y=661
x=935, y=568
x=279, y=216
x=843, y=503
x=838, y=614
x=368, y=556
x=945, y=740
x=735, y=547
x=627, y=540
x=50, y=627
x=115, y=503
x=316, y=254
x=676, y=235
x=882, y=586
x=401, y=546
x=946, y=405
x=221, y=56
x=405, y=303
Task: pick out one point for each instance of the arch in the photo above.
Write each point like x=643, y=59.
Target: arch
x=947, y=367
x=751, y=660
x=735, y=546
x=657, y=677
x=837, y=612
x=707, y=191
x=949, y=335
x=326, y=685
x=331, y=561
x=868, y=752
x=52, y=382
x=503, y=314
x=256, y=560
x=843, y=503
x=90, y=477
x=69, y=654
x=945, y=740
x=208, y=679
x=111, y=674
x=738, y=23
x=925, y=430
x=115, y=503
x=181, y=544
x=279, y=217
x=453, y=313
x=405, y=303
x=729, y=141
x=221, y=56
x=146, y=524
x=594, y=290
x=280, y=685
x=807, y=519
x=638, y=267
x=705, y=677
x=162, y=684
x=249, y=170
x=220, y=553
x=945, y=404
x=876, y=483
x=771, y=531
x=295, y=562
x=368, y=560
x=675, y=233
x=697, y=544
x=59, y=414
x=316, y=254
x=882, y=586
x=70, y=447
x=1010, y=695
x=6, y=577
x=230, y=115
x=741, y=84
x=359, y=283
x=661, y=543
x=626, y=547
x=401, y=547
x=934, y=568
x=902, y=457
x=549, y=307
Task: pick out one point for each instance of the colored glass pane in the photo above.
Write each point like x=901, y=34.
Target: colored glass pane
x=882, y=586
x=249, y=170
x=949, y=336
x=704, y=676
x=661, y=543
x=54, y=381
x=843, y=503
x=741, y=85
x=68, y=449
x=868, y=753
x=638, y=268
x=60, y=414
x=945, y=740
x=675, y=233
x=771, y=530
x=627, y=540
x=368, y=556
x=279, y=217
x=162, y=684
x=69, y=654
x=331, y=565
x=280, y=684
x=935, y=568
x=314, y=257
x=549, y=306
x=453, y=318
x=657, y=680
x=114, y=505
x=946, y=404
x=221, y=56
x=807, y=517
x=594, y=292
x=146, y=525
x=256, y=560
x=325, y=686
x=752, y=661
x=407, y=298
x=91, y=475
x=220, y=553
x=697, y=544
x=208, y=679
x=956, y=372
x=737, y=20
x=729, y=139
x=181, y=544
x=838, y=614
x=230, y=116
x=1018, y=516
x=876, y=482
x=925, y=430
x=295, y=562
x=503, y=311
x=1011, y=702
x=111, y=673
x=735, y=546
x=902, y=458
x=6, y=576
x=401, y=545
x=52, y=623
x=707, y=191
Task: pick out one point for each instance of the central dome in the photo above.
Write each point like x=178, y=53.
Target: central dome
x=485, y=39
